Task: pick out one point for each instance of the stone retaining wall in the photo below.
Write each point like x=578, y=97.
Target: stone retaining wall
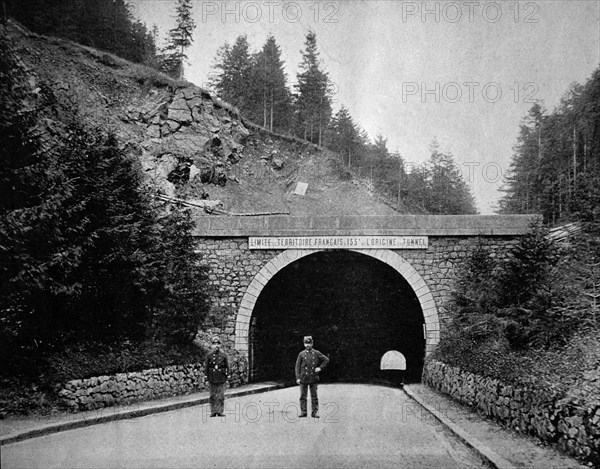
x=575, y=430
x=126, y=388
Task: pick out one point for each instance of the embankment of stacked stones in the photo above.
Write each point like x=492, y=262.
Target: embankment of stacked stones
x=574, y=429
x=127, y=388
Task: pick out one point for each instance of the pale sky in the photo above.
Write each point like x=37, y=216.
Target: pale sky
x=465, y=72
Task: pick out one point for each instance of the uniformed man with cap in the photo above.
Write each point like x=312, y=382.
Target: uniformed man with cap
x=217, y=370
x=309, y=364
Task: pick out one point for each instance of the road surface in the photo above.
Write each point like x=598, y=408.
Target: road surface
x=360, y=426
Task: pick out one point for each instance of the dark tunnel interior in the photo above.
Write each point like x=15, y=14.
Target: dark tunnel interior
x=355, y=307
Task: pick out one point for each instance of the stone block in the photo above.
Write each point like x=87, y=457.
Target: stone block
x=153, y=131
x=420, y=288
x=179, y=104
x=427, y=304
x=84, y=400
x=179, y=115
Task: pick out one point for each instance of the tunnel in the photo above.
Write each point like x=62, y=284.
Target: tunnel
x=354, y=306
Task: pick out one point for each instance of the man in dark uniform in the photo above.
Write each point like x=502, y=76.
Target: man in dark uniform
x=217, y=369
x=308, y=366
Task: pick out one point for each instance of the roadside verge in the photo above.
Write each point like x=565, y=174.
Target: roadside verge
x=497, y=446
x=110, y=414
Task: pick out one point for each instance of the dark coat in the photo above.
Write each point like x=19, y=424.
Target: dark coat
x=217, y=367
x=307, y=362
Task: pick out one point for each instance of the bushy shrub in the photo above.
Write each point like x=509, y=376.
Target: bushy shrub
x=518, y=319
x=521, y=297
x=18, y=397
x=84, y=360
x=182, y=303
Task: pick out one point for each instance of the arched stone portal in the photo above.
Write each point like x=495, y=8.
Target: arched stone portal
x=392, y=259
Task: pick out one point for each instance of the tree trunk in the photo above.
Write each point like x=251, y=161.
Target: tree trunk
x=574, y=158
x=272, y=106
x=399, y=180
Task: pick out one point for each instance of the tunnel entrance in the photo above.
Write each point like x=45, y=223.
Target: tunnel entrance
x=355, y=307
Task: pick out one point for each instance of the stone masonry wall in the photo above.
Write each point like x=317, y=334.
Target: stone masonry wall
x=126, y=388
x=530, y=410
x=232, y=267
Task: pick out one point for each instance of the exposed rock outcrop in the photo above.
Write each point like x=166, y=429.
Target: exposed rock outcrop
x=190, y=144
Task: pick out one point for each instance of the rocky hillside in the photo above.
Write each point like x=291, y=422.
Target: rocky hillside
x=192, y=146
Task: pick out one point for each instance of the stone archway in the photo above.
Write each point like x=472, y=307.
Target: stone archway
x=397, y=262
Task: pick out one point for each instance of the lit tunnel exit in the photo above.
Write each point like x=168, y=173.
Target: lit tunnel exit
x=355, y=307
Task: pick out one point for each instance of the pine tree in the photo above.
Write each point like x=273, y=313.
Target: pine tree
x=398, y=189
x=182, y=302
x=418, y=188
x=523, y=179
x=555, y=167
x=379, y=148
x=343, y=136
x=449, y=193
x=388, y=171
x=180, y=38
x=233, y=77
x=269, y=86
x=314, y=95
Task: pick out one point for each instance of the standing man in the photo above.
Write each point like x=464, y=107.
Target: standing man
x=217, y=369
x=308, y=366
